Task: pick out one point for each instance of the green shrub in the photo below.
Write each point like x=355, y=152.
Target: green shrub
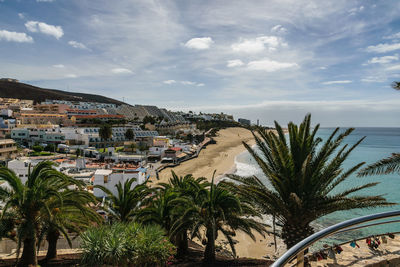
x=37, y=148
x=126, y=244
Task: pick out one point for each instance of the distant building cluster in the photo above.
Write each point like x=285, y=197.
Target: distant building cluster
x=71, y=125
x=110, y=143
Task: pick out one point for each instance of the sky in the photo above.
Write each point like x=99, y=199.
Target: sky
x=266, y=60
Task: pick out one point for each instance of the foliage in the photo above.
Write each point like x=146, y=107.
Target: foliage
x=396, y=85
x=215, y=209
x=126, y=244
x=69, y=214
x=149, y=119
x=301, y=175
x=37, y=148
x=29, y=202
x=105, y=132
x=129, y=134
x=218, y=124
x=384, y=166
x=50, y=148
x=124, y=206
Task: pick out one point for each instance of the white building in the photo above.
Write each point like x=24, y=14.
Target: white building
x=110, y=178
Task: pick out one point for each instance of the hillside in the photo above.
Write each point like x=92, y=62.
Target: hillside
x=19, y=90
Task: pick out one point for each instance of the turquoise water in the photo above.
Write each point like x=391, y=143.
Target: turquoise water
x=379, y=143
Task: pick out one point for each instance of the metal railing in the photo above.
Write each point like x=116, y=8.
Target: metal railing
x=299, y=248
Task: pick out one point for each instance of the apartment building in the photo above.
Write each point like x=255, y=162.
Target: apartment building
x=30, y=136
x=8, y=149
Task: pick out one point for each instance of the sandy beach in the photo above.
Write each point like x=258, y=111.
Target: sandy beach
x=221, y=157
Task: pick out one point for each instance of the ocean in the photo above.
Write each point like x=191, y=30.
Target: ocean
x=379, y=143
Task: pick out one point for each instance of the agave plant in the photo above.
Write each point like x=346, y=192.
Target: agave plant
x=301, y=175
x=123, y=244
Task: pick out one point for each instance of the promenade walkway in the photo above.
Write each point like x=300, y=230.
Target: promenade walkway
x=386, y=254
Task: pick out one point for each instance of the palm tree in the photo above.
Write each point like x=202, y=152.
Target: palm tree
x=125, y=205
x=72, y=214
x=384, y=166
x=129, y=134
x=29, y=201
x=133, y=147
x=105, y=133
x=300, y=177
x=396, y=85
x=168, y=204
x=218, y=210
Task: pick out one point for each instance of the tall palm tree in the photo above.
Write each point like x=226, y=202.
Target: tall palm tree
x=218, y=210
x=169, y=203
x=301, y=173
x=125, y=205
x=29, y=201
x=72, y=214
x=105, y=133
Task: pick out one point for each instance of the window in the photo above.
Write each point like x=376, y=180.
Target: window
x=105, y=179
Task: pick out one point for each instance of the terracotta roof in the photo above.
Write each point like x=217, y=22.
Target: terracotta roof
x=98, y=116
x=175, y=148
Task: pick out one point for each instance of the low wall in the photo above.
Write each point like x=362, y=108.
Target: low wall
x=8, y=246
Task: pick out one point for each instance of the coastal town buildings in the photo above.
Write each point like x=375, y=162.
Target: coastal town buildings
x=244, y=122
x=109, y=178
x=8, y=149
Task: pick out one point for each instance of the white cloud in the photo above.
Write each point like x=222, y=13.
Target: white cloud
x=121, y=71
x=76, y=44
x=169, y=81
x=258, y=44
x=270, y=65
x=383, y=60
x=322, y=68
x=36, y=26
x=71, y=75
x=393, y=36
x=199, y=43
x=49, y=1
x=19, y=37
x=278, y=29
x=337, y=82
x=394, y=67
x=383, y=48
x=373, y=79
x=234, y=63
x=21, y=15
x=200, y=84
x=59, y=66
x=188, y=83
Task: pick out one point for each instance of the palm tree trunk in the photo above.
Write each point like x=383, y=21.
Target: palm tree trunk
x=295, y=232
x=52, y=238
x=182, y=244
x=209, y=252
x=28, y=257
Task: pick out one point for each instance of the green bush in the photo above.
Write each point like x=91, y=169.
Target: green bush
x=126, y=244
x=37, y=148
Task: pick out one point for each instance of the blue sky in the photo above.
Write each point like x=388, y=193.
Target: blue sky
x=272, y=60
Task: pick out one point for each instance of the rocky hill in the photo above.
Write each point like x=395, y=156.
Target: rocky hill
x=14, y=89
